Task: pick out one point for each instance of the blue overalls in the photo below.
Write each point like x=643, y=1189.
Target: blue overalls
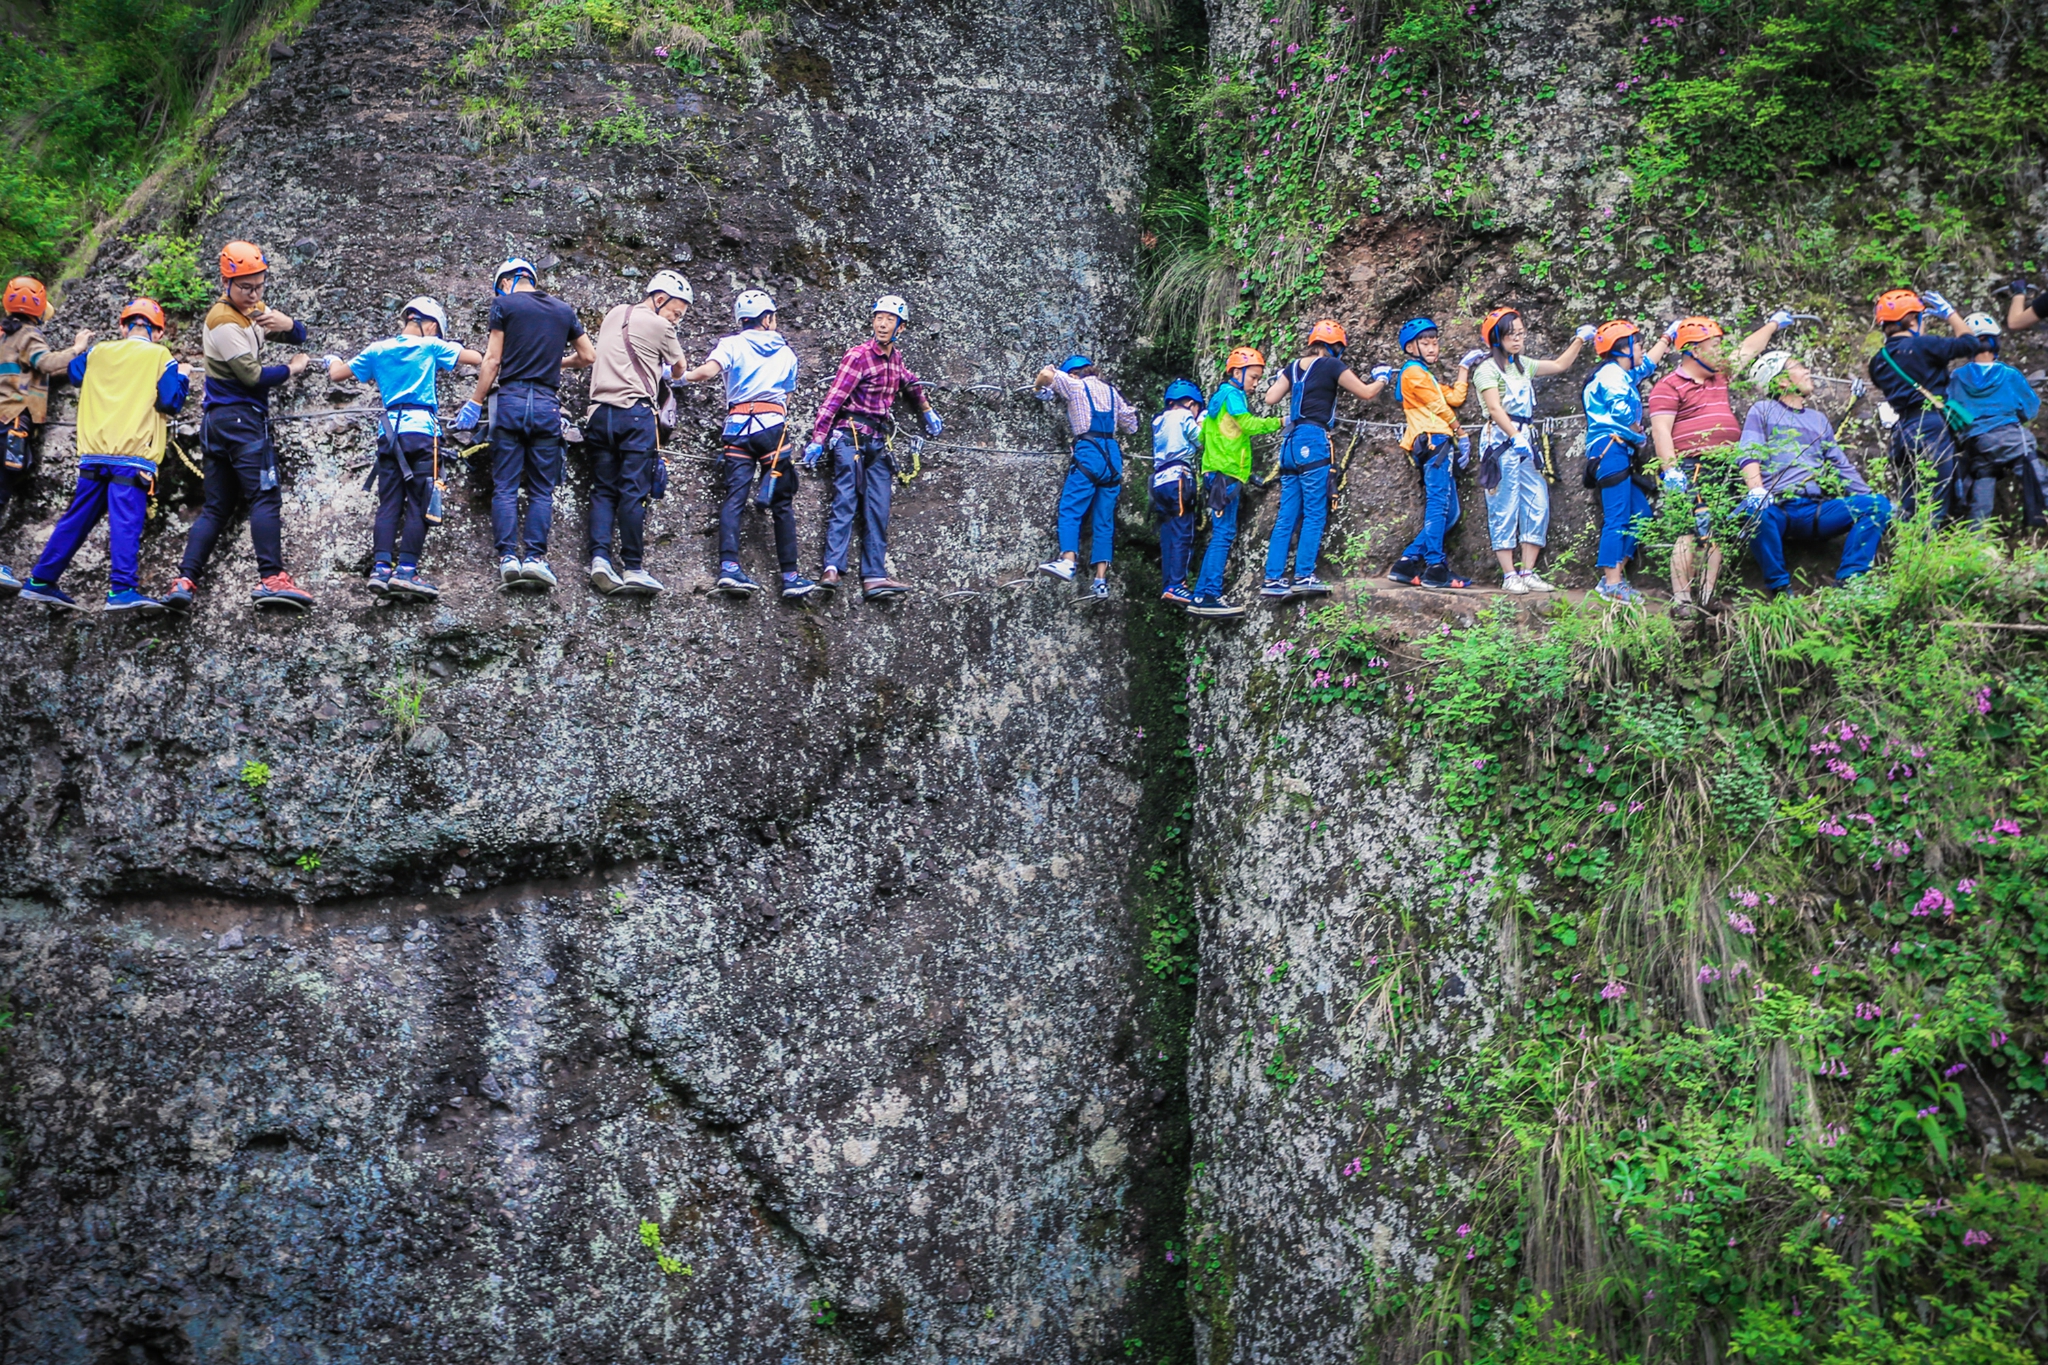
x=1095, y=480
x=1304, y=487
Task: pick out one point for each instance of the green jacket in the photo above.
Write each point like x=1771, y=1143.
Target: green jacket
x=1227, y=431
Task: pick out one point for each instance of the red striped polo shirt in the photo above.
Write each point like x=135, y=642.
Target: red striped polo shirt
x=1704, y=418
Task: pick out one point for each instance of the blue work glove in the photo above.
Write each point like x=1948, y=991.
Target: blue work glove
x=1753, y=501
x=472, y=413
x=1674, y=480
x=1587, y=332
x=1702, y=523
x=2021, y=289
x=1382, y=373
x=1470, y=359
x=932, y=425
x=1936, y=304
x=813, y=453
x=1464, y=452
x=1782, y=318
x=1044, y=395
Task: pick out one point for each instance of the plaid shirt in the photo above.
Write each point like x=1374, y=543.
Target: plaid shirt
x=868, y=384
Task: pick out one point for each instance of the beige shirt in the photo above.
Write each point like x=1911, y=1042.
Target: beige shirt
x=623, y=376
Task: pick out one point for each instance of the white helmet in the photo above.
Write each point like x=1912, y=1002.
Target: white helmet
x=514, y=265
x=890, y=304
x=428, y=309
x=674, y=285
x=1768, y=367
x=752, y=304
x=1981, y=325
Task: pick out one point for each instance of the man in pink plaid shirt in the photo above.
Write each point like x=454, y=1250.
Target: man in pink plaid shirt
x=855, y=417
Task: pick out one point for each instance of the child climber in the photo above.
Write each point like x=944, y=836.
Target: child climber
x=408, y=468
x=1227, y=432
x=1997, y=442
x=26, y=364
x=1096, y=413
x=1510, y=471
x=126, y=390
x=1431, y=440
x=1176, y=443
x=1615, y=439
x=1312, y=382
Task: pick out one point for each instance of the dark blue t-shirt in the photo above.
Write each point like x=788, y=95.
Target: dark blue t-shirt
x=537, y=328
x=1925, y=359
x=1315, y=388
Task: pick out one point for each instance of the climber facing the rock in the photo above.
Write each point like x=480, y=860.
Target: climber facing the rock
x=1432, y=441
x=240, y=457
x=26, y=364
x=1615, y=438
x=1227, y=431
x=1788, y=451
x=1911, y=371
x=856, y=421
x=636, y=346
x=1690, y=417
x=407, y=474
x=1511, y=472
x=1996, y=443
x=1096, y=415
x=759, y=370
x=127, y=389
x=1176, y=444
x=1310, y=385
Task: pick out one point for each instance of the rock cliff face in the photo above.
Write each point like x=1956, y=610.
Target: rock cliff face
x=799, y=935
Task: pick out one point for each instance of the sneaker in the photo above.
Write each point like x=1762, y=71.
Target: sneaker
x=179, y=599
x=407, y=582
x=1533, y=583
x=509, y=569
x=49, y=594
x=797, y=588
x=279, y=593
x=1407, y=571
x=603, y=577
x=639, y=583
x=1176, y=596
x=733, y=579
x=10, y=586
x=1214, y=606
x=380, y=580
x=1440, y=576
x=872, y=589
x=1098, y=589
x=1513, y=582
x=1275, y=588
x=129, y=600
x=537, y=571
x=1619, y=592
x=1310, y=587
x=1061, y=569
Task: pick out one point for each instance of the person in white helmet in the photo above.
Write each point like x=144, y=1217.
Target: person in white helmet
x=635, y=343
x=759, y=371
x=408, y=440
x=856, y=418
x=531, y=337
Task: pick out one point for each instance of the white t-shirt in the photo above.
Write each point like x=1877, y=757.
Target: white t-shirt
x=1175, y=439
x=758, y=365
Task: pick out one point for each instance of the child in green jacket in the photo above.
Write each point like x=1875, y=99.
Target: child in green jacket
x=1227, y=432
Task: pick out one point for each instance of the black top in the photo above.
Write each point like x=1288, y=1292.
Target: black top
x=1314, y=386
x=1925, y=360
x=537, y=328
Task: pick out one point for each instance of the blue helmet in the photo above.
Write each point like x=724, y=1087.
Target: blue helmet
x=1075, y=362
x=1416, y=327
x=1183, y=389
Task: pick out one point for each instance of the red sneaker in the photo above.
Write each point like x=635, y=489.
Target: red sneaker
x=279, y=593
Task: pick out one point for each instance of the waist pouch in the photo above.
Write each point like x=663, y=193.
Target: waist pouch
x=1223, y=491
x=1596, y=455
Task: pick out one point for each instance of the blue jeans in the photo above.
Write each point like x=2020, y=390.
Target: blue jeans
x=1177, y=504
x=621, y=442
x=1222, y=534
x=239, y=460
x=1924, y=436
x=765, y=449
x=1864, y=517
x=125, y=509
x=526, y=451
x=863, y=480
x=1440, y=509
x=1083, y=498
x=1304, y=501
x=1621, y=506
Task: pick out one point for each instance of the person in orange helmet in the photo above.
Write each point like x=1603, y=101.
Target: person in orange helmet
x=234, y=432
x=1911, y=370
x=26, y=364
x=1690, y=415
x=1310, y=386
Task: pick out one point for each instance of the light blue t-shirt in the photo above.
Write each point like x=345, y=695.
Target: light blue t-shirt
x=402, y=368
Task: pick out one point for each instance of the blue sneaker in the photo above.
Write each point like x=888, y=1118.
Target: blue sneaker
x=129, y=600
x=407, y=583
x=380, y=580
x=1276, y=588
x=1176, y=596
x=733, y=579
x=10, y=586
x=49, y=594
x=797, y=588
x=1619, y=592
x=1098, y=589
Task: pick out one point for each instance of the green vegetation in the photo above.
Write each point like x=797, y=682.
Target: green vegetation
x=255, y=776
x=681, y=33
x=650, y=1237
x=1785, y=955
x=173, y=275
x=402, y=700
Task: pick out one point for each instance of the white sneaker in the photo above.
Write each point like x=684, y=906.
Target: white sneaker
x=537, y=571
x=509, y=570
x=1058, y=568
x=641, y=583
x=603, y=577
x=1533, y=583
x=1513, y=583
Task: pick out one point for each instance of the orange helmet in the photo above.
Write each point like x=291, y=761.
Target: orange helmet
x=1496, y=318
x=239, y=259
x=1692, y=331
x=1612, y=334
x=1329, y=331
x=1896, y=305
x=149, y=310
x=27, y=297
x=1242, y=357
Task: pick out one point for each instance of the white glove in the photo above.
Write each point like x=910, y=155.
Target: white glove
x=1936, y=304
x=1753, y=501
x=1671, y=332
x=1674, y=479
x=1382, y=373
x=1470, y=359
x=1782, y=318
x=328, y=362
x=1587, y=332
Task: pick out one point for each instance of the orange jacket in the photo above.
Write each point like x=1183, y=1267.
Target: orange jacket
x=1431, y=408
